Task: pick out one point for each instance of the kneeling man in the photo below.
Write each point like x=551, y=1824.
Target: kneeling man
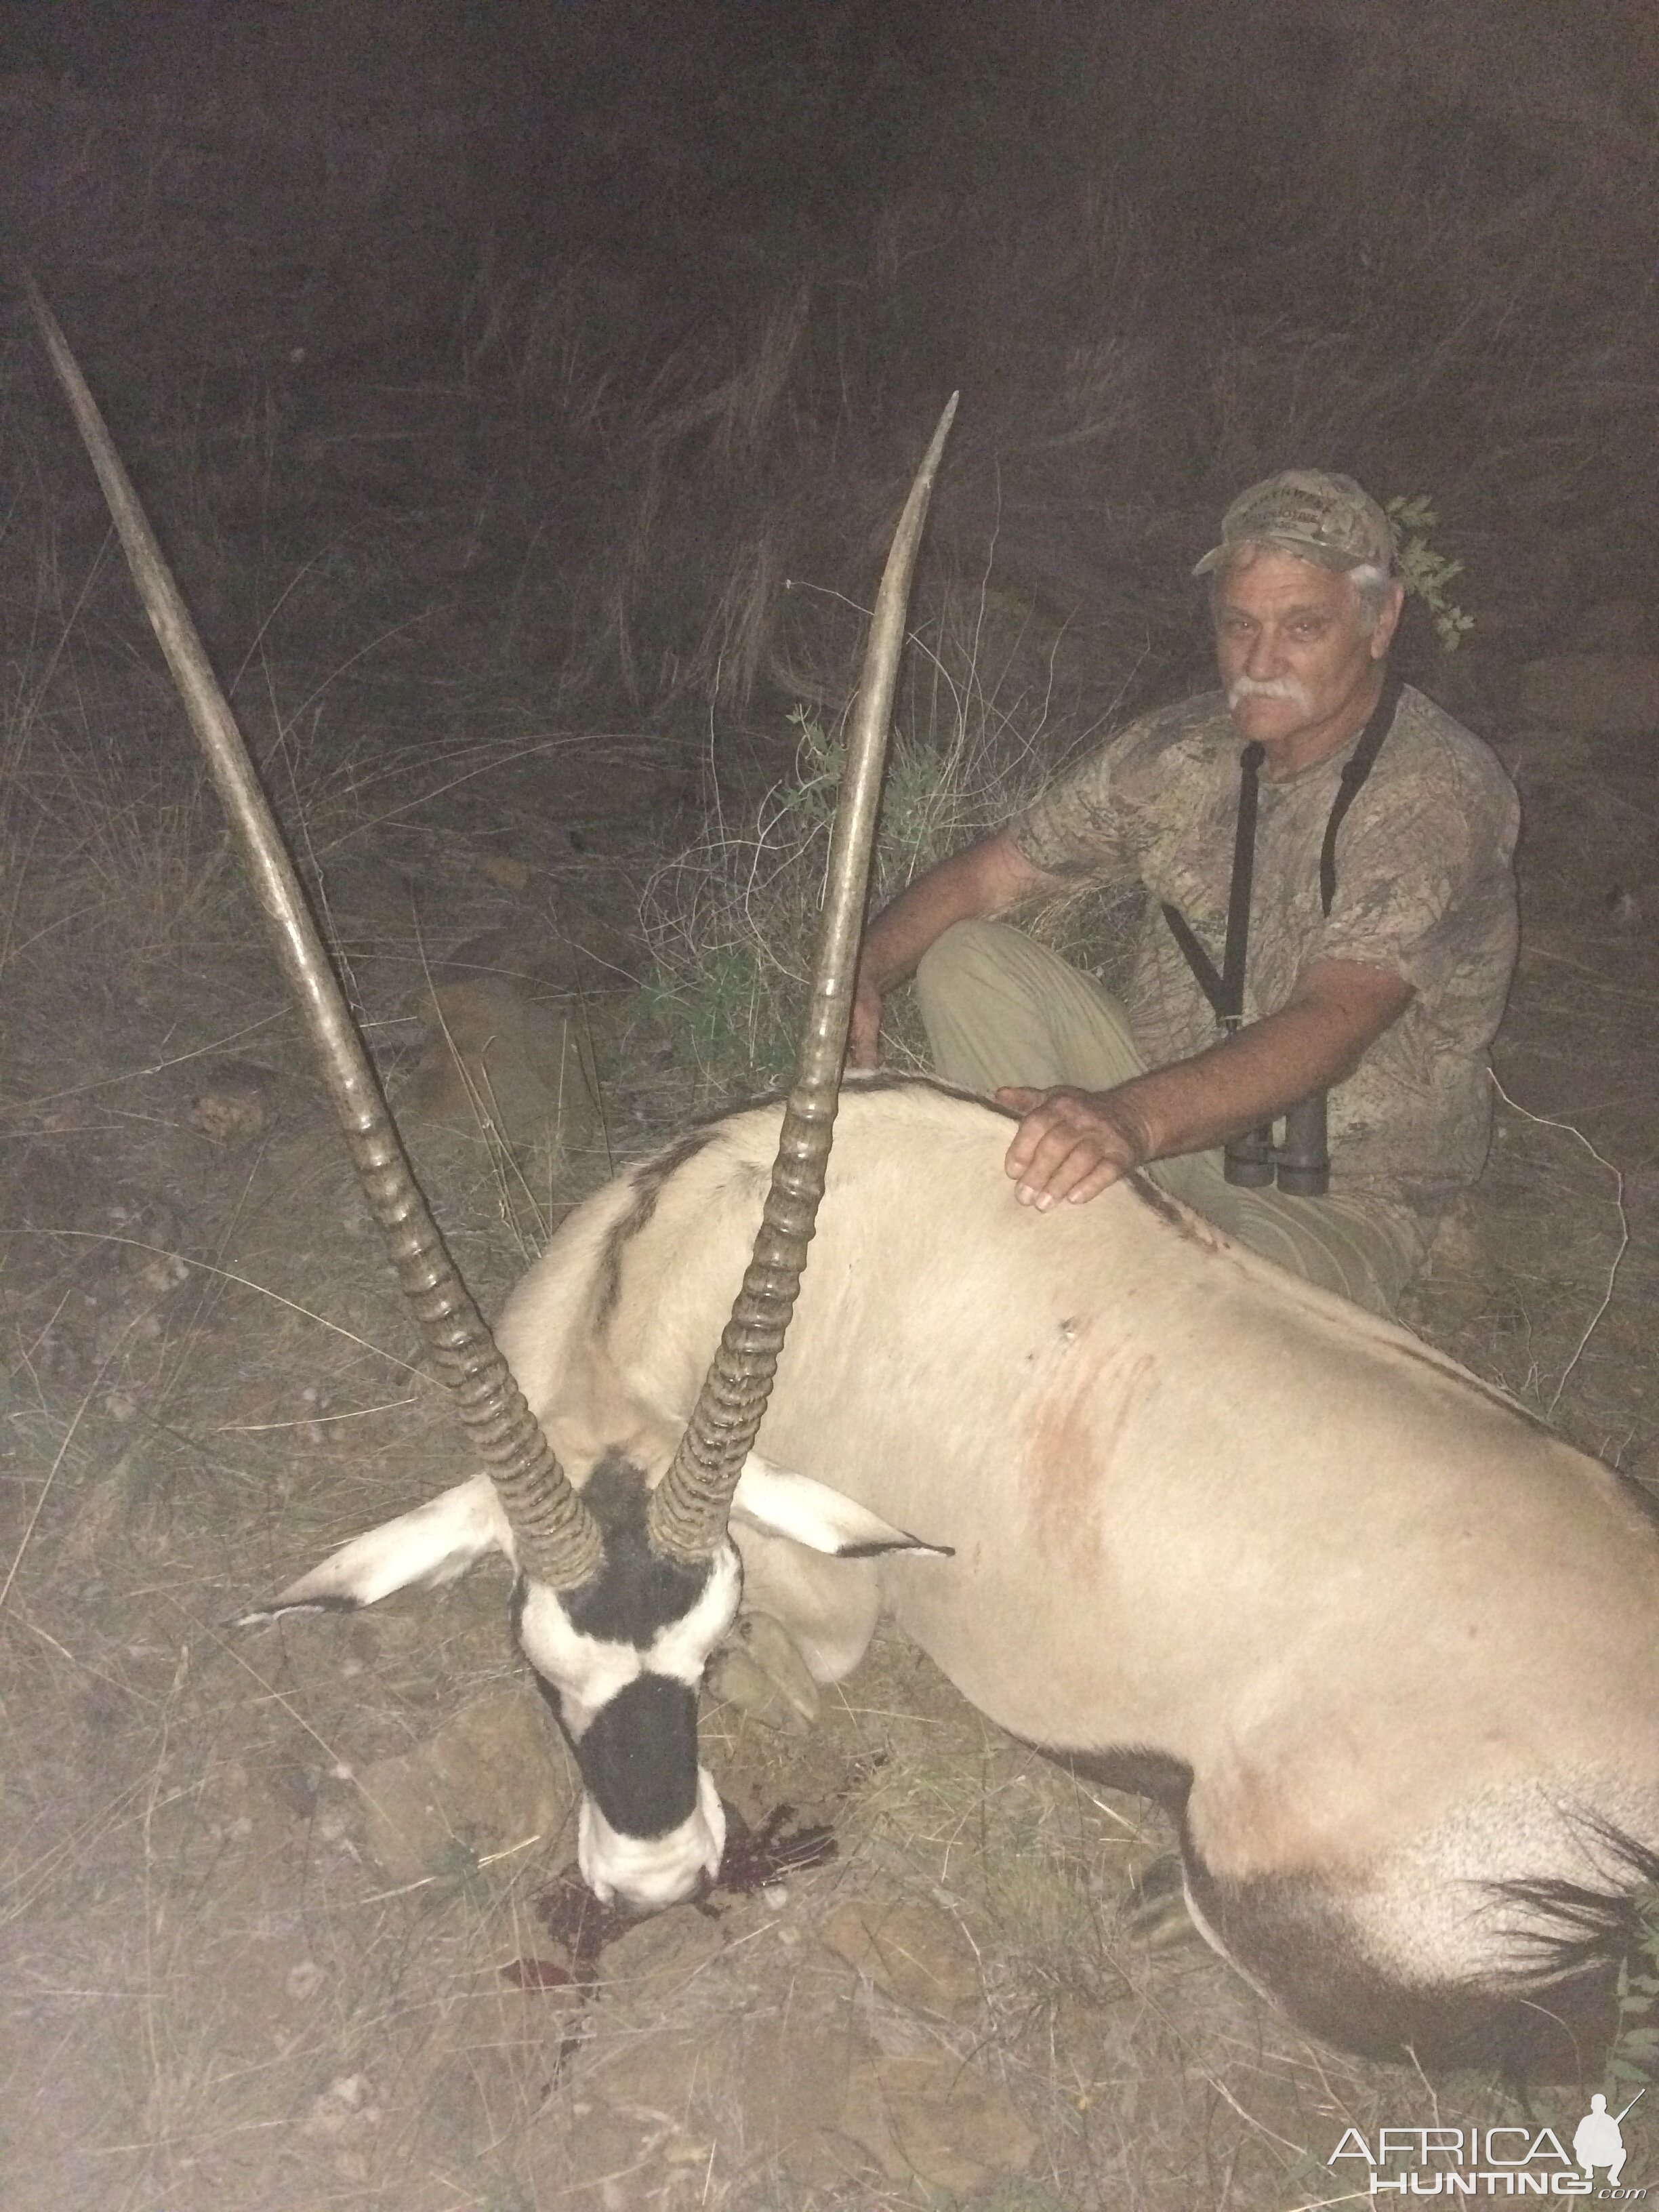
x=1362, y=840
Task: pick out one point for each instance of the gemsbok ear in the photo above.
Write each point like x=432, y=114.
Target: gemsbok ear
x=779, y=1504
x=433, y=1545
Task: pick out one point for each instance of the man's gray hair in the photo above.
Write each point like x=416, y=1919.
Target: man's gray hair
x=1371, y=587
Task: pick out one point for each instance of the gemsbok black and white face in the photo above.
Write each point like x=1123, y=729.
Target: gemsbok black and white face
x=620, y=1661
x=620, y=1657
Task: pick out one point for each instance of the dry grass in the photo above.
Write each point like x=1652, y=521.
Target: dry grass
x=730, y=921
x=235, y=2010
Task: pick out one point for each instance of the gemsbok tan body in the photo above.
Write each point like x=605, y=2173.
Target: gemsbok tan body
x=1386, y=1648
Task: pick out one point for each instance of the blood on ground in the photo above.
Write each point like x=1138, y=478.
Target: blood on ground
x=754, y=1859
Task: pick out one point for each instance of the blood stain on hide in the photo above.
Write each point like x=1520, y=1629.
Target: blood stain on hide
x=1075, y=1431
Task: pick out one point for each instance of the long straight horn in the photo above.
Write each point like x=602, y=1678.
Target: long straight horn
x=556, y=1537
x=689, y=1507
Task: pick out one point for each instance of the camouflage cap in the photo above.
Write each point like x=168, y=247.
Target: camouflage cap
x=1324, y=518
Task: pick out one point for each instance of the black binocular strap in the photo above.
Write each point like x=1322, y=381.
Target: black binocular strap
x=1225, y=990
x=1357, y=766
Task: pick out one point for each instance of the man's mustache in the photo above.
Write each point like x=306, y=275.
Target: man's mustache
x=1273, y=687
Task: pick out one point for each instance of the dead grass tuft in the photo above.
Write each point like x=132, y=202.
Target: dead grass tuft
x=731, y=920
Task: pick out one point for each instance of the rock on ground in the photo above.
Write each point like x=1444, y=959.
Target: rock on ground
x=938, y=2120
x=913, y=1952
x=488, y=1780
x=505, y=1066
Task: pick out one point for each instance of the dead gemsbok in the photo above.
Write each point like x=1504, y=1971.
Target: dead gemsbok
x=1386, y=1648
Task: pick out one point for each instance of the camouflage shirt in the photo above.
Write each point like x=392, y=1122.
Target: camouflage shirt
x=1424, y=888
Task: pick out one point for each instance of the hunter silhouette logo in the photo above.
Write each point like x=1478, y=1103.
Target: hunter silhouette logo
x=1499, y=2161
x=1596, y=2140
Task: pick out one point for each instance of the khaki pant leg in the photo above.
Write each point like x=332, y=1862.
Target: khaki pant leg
x=1362, y=1251
x=1000, y=1010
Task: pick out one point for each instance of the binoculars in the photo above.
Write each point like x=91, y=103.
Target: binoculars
x=1301, y=1166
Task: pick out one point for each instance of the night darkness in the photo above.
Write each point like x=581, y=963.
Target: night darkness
x=1161, y=248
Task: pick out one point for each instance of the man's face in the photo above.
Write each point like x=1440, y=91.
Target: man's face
x=1299, y=667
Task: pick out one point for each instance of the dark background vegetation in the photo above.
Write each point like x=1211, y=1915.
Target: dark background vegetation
x=564, y=336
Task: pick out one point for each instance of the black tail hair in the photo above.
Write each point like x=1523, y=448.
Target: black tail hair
x=1587, y=1926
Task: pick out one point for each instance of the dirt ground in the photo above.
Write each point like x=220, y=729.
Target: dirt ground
x=283, y=1922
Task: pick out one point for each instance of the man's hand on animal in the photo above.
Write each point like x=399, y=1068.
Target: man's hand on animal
x=1073, y=1144
x=1070, y=1144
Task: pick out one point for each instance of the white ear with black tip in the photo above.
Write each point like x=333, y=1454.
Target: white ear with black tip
x=431, y=1546
x=780, y=1504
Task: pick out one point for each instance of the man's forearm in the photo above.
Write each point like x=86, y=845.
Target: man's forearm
x=1235, y=1085
x=1071, y=1144
x=985, y=878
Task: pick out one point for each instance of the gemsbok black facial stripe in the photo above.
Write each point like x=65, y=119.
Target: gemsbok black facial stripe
x=639, y=1758
x=582, y=1672
x=637, y=1591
